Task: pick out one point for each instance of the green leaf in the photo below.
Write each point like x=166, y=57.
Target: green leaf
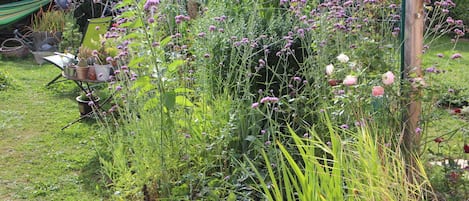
x=137, y=23
x=231, y=197
x=123, y=4
x=250, y=138
x=183, y=90
x=165, y=41
x=151, y=104
x=183, y=101
x=169, y=100
x=172, y=67
x=133, y=35
x=135, y=61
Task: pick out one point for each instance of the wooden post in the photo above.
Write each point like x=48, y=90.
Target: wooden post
x=413, y=46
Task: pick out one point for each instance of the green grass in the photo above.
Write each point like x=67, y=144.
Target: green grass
x=38, y=160
x=453, y=129
x=441, y=123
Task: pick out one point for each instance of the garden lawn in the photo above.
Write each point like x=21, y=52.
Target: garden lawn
x=442, y=121
x=38, y=160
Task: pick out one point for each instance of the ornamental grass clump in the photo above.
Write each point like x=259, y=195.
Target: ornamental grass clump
x=351, y=165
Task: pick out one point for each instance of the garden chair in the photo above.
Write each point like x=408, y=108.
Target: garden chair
x=89, y=40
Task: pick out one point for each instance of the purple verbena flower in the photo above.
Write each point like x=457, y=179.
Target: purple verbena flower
x=151, y=3
x=456, y=56
x=269, y=99
x=212, y=28
x=255, y=105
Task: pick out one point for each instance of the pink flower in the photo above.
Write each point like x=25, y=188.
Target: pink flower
x=150, y=3
x=456, y=56
x=388, y=78
x=255, y=105
x=269, y=99
x=350, y=80
x=377, y=91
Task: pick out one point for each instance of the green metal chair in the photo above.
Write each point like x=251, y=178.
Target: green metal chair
x=90, y=40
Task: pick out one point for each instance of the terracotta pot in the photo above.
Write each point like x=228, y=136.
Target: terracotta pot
x=91, y=73
x=82, y=73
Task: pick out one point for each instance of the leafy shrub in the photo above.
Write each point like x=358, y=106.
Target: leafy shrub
x=454, y=97
x=71, y=37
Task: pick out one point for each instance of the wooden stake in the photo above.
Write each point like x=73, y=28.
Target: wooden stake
x=413, y=46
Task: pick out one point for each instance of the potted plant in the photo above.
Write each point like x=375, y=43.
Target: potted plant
x=85, y=58
x=86, y=102
x=102, y=62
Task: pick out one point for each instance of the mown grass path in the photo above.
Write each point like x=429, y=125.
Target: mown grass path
x=38, y=161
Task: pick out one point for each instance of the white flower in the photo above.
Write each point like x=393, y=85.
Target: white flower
x=329, y=69
x=343, y=58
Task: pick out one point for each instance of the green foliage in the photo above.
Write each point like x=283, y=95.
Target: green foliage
x=71, y=37
x=49, y=21
x=199, y=97
x=6, y=81
x=355, y=166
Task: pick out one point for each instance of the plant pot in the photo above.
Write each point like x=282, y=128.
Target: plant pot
x=102, y=71
x=70, y=71
x=91, y=73
x=84, y=107
x=82, y=72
